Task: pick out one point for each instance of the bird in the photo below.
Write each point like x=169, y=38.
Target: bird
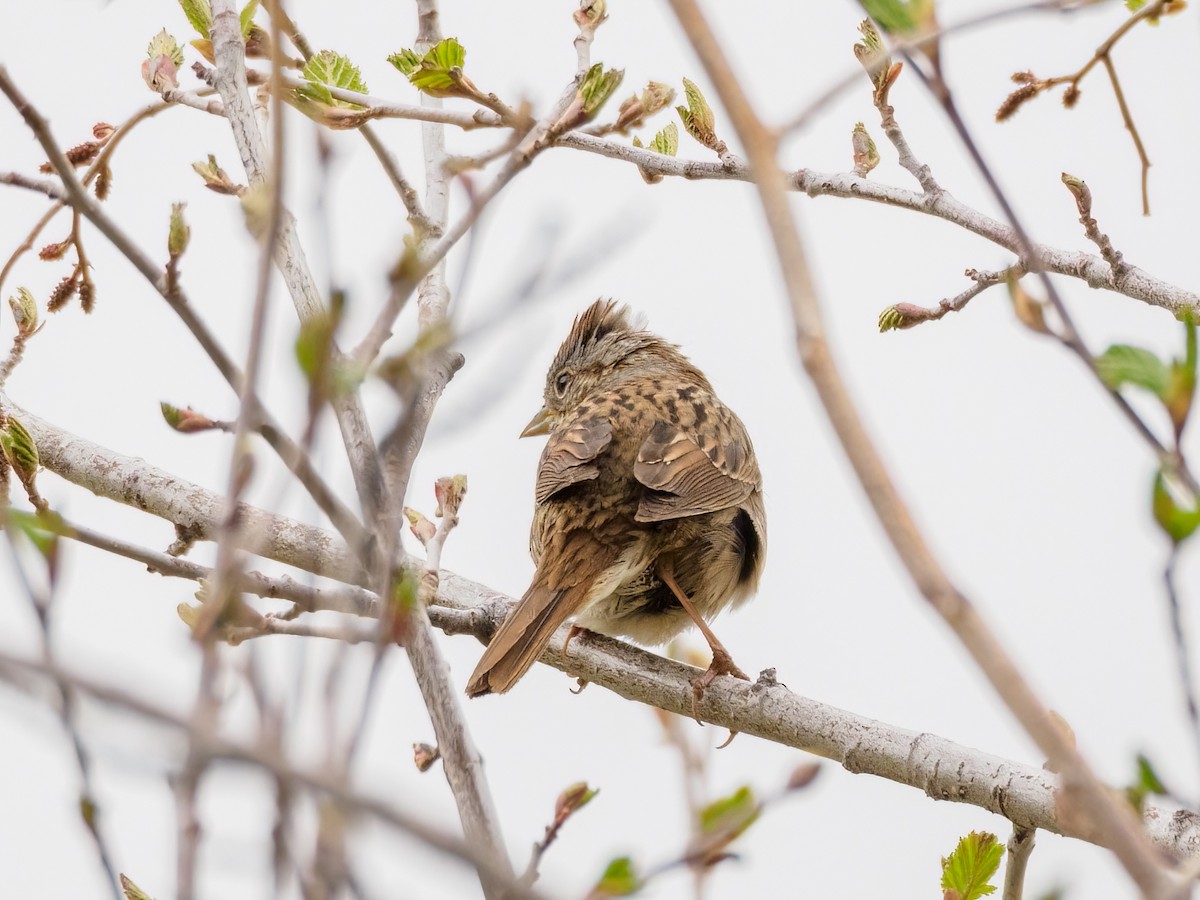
x=649, y=512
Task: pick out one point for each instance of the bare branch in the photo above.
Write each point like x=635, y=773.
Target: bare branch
x=1026, y=795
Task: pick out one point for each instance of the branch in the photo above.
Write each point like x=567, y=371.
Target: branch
x=1020, y=845
x=289, y=254
x=1026, y=795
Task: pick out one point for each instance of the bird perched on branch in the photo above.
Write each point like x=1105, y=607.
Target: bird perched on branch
x=649, y=511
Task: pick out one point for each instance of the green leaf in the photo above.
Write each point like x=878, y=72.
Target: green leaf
x=332, y=69
x=406, y=61
x=164, y=44
x=1181, y=383
x=731, y=815
x=1146, y=783
x=597, y=86
x=1148, y=778
x=432, y=73
x=19, y=449
x=1122, y=364
x=34, y=527
x=447, y=53
x=666, y=141
x=246, y=17
x=25, y=312
x=971, y=866
x=199, y=14
x=1177, y=516
x=573, y=799
x=131, y=890
x=697, y=117
x=619, y=879
x=1134, y=5
x=893, y=16
x=314, y=346
x=178, y=232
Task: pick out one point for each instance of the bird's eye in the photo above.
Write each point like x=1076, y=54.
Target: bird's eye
x=561, y=382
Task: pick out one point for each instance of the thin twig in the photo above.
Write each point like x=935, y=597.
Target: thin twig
x=1030, y=86
x=1187, y=681
x=1020, y=845
x=1083, y=201
x=41, y=600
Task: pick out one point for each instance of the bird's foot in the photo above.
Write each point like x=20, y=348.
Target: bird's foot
x=722, y=664
x=575, y=632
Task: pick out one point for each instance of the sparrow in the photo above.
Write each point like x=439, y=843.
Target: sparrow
x=649, y=511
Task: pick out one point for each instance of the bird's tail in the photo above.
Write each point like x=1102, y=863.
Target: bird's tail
x=547, y=604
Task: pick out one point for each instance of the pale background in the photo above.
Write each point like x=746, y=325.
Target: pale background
x=1034, y=491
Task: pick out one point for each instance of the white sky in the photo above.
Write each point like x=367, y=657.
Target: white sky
x=1032, y=488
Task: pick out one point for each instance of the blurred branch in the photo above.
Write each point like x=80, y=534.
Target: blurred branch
x=1080, y=784
x=1026, y=795
x=1187, y=681
x=18, y=672
x=230, y=81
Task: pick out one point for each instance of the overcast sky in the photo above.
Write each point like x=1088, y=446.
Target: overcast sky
x=1033, y=490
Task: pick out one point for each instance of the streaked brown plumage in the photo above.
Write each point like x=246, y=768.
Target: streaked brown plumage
x=647, y=478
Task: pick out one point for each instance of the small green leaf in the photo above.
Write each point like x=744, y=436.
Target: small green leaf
x=893, y=16
x=971, y=866
x=697, y=117
x=866, y=155
x=314, y=345
x=164, y=44
x=405, y=589
x=25, y=312
x=131, y=890
x=596, y=87
x=34, y=527
x=178, y=232
x=1146, y=783
x=406, y=61
x=1148, y=778
x=1122, y=364
x=437, y=73
x=246, y=17
x=1134, y=5
x=620, y=879
x=199, y=14
x=19, y=449
x=329, y=69
x=731, y=815
x=573, y=799
x=1177, y=516
x=1181, y=383
x=447, y=53
x=666, y=141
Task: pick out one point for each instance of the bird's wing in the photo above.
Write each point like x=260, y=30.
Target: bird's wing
x=697, y=471
x=570, y=456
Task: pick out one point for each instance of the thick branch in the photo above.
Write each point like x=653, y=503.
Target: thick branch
x=1024, y=794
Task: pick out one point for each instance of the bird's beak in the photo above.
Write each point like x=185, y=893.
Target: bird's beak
x=539, y=424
